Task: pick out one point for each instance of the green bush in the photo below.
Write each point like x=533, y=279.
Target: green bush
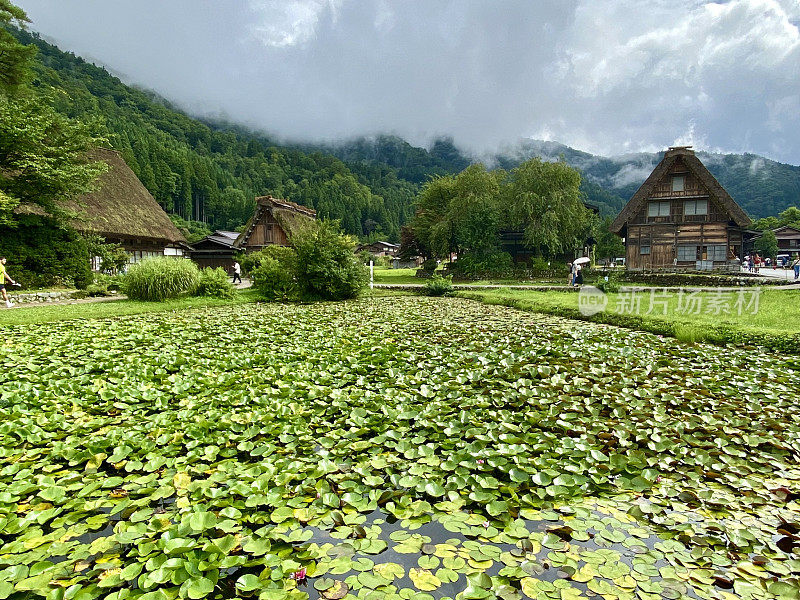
x=97, y=289
x=214, y=283
x=160, y=278
x=438, y=286
x=327, y=268
x=41, y=255
x=274, y=274
x=609, y=282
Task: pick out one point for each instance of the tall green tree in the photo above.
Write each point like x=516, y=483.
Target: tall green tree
x=767, y=244
x=609, y=244
x=15, y=58
x=543, y=200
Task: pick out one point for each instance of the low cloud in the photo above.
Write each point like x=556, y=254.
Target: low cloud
x=612, y=77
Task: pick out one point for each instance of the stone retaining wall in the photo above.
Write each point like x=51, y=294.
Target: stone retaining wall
x=28, y=297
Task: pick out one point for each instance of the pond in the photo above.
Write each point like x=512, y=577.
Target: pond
x=392, y=448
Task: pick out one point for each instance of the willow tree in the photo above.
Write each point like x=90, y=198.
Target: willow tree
x=543, y=200
x=460, y=213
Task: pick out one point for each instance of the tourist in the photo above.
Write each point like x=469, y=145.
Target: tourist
x=796, y=266
x=237, y=272
x=578, y=275
x=3, y=277
x=571, y=277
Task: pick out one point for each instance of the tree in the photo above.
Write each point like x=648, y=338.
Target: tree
x=460, y=213
x=15, y=58
x=609, y=245
x=767, y=244
x=543, y=200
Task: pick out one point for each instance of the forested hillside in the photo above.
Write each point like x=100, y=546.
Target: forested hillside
x=210, y=173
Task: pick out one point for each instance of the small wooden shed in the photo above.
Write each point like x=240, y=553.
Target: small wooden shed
x=681, y=218
x=216, y=250
x=273, y=223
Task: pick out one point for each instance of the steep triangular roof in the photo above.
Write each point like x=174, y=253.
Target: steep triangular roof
x=699, y=170
x=786, y=229
x=121, y=206
x=289, y=215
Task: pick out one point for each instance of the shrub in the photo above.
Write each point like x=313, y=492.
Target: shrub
x=97, y=289
x=327, y=268
x=160, y=278
x=609, y=283
x=41, y=254
x=274, y=274
x=438, y=286
x=214, y=283
x=429, y=265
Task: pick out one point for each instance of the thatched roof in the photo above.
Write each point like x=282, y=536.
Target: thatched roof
x=699, y=170
x=290, y=216
x=121, y=207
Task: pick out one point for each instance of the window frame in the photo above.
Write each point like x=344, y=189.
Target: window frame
x=694, y=204
x=682, y=251
x=682, y=178
x=660, y=204
x=642, y=249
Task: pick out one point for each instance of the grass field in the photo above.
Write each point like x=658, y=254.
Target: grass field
x=777, y=311
x=29, y=315
x=407, y=276
x=396, y=448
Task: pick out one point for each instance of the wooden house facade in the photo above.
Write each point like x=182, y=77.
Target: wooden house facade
x=788, y=238
x=681, y=218
x=216, y=250
x=273, y=223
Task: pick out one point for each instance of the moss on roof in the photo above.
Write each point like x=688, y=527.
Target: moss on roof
x=121, y=207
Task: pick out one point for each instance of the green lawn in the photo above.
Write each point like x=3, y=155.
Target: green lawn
x=777, y=312
x=29, y=315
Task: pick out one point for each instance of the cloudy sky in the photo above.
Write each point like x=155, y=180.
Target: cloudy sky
x=605, y=76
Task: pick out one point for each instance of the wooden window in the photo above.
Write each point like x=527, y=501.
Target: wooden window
x=644, y=249
x=718, y=252
x=678, y=183
x=687, y=252
x=658, y=209
x=695, y=207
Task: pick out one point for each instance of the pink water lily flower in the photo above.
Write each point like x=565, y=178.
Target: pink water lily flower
x=299, y=575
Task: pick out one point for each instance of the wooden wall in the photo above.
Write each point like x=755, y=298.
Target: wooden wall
x=267, y=232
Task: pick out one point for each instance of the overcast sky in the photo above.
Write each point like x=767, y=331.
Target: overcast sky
x=605, y=76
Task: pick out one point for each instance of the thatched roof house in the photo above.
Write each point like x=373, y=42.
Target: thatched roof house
x=682, y=218
x=122, y=211
x=273, y=223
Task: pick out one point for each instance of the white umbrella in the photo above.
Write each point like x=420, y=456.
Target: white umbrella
x=582, y=260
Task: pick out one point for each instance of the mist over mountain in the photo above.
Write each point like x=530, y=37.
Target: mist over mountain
x=211, y=169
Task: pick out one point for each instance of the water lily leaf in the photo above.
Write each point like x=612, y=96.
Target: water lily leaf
x=424, y=580
x=337, y=591
x=248, y=583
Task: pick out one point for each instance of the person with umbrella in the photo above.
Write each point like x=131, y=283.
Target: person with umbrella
x=577, y=267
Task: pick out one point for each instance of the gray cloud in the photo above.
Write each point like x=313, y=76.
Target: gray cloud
x=606, y=77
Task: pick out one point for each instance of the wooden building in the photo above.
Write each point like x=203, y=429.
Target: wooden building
x=681, y=218
x=273, y=222
x=122, y=211
x=788, y=239
x=216, y=250
x=380, y=248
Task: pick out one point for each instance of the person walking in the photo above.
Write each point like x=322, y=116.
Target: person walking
x=3, y=277
x=796, y=267
x=237, y=272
